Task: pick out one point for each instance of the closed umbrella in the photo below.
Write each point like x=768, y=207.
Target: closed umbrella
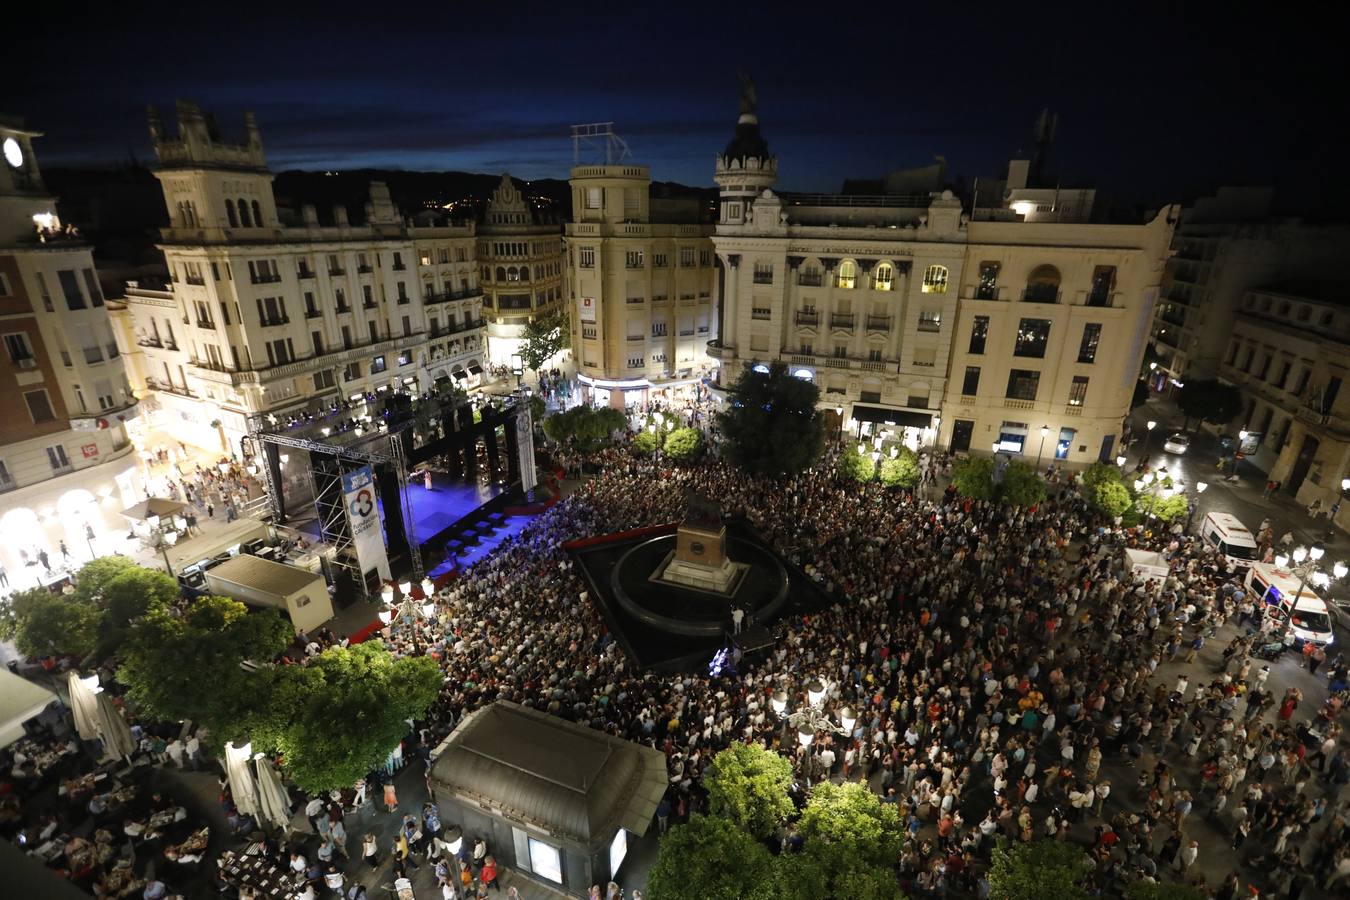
x=242, y=787
x=83, y=705
x=274, y=804
x=113, y=729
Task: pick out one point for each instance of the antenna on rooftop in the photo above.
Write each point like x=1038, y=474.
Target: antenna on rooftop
x=598, y=138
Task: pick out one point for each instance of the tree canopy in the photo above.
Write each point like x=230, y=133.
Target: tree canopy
x=1021, y=485
x=684, y=443
x=339, y=716
x=973, y=477
x=544, y=336
x=850, y=833
x=585, y=427
x=710, y=859
x=647, y=442
x=900, y=471
x=1210, y=401
x=749, y=785
x=857, y=466
x=771, y=424
x=1038, y=869
x=41, y=623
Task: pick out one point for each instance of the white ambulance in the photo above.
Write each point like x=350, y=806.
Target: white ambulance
x=1303, y=612
x=1224, y=533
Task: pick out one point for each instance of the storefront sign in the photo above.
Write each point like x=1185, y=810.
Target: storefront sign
x=89, y=450
x=363, y=516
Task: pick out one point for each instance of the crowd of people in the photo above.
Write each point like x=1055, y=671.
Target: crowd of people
x=1003, y=662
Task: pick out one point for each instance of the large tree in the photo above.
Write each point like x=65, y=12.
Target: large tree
x=683, y=444
x=1036, y=870
x=1021, y=485
x=973, y=477
x=901, y=470
x=584, y=427
x=190, y=666
x=771, y=423
x=711, y=859
x=1210, y=401
x=853, y=835
x=749, y=785
x=340, y=715
x=857, y=466
x=41, y=623
x=545, y=335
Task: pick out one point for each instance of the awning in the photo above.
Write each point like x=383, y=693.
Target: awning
x=155, y=506
x=475, y=369
x=460, y=373
x=887, y=416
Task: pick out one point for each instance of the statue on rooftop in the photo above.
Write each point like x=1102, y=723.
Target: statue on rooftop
x=749, y=99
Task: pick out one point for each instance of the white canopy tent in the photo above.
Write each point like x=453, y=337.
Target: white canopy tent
x=20, y=700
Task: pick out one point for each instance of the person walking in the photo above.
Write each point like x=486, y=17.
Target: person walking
x=1187, y=857
x=489, y=874
x=370, y=851
x=4, y=576
x=390, y=796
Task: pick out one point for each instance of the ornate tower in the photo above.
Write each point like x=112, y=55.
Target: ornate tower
x=745, y=168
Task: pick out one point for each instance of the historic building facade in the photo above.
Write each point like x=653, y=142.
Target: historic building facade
x=267, y=318
x=66, y=462
x=520, y=261
x=1289, y=353
x=915, y=320
x=640, y=280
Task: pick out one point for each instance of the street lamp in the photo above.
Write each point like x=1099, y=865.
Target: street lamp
x=1200, y=487
x=812, y=718
x=1045, y=431
x=1120, y=460
x=1305, y=567
x=1148, y=441
x=166, y=540
x=406, y=610
x=839, y=414
x=454, y=841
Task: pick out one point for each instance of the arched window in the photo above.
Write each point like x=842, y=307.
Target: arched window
x=501, y=273
x=257, y=214
x=885, y=277
x=230, y=214
x=243, y=213
x=524, y=273
x=1042, y=285
x=848, y=274
x=935, y=280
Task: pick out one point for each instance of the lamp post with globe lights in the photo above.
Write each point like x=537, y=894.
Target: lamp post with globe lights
x=1040, y=452
x=1200, y=487
x=1306, y=566
x=1148, y=441
x=407, y=609
x=812, y=718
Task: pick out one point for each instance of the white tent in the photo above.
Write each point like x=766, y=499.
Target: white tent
x=274, y=804
x=20, y=700
x=83, y=704
x=242, y=787
x=1146, y=564
x=113, y=729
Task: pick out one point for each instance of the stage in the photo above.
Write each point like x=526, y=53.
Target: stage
x=445, y=504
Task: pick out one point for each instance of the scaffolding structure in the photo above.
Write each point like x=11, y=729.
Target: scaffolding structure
x=600, y=139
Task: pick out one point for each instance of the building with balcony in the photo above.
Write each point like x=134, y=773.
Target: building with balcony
x=640, y=278
x=1224, y=246
x=1289, y=353
x=520, y=261
x=66, y=463
x=265, y=317
x=914, y=319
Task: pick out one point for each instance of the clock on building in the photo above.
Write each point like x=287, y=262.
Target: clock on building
x=13, y=152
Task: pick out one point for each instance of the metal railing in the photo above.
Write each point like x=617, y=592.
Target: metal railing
x=841, y=320
x=808, y=318
x=878, y=323
x=810, y=279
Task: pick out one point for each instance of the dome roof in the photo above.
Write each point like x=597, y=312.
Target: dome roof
x=748, y=142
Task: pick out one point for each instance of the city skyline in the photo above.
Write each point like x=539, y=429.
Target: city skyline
x=460, y=90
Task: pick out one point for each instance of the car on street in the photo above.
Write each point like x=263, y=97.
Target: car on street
x=1177, y=443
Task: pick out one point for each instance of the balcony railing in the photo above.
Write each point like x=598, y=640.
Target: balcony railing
x=397, y=267
x=366, y=270
x=763, y=278
x=1041, y=293
x=207, y=324
x=841, y=320
x=194, y=279
x=313, y=313
x=447, y=296
x=930, y=325
x=276, y=320
x=636, y=337
x=25, y=363
x=810, y=279
x=266, y=278
x=370, y=304
x=760, y=312
x=808, y=318
x=878, y=323
x=150, y=342
x=336, y=271
x=304, y=273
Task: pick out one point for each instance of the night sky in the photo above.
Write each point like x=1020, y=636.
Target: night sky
x=1154, y=103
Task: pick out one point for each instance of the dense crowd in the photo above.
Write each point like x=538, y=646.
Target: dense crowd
x=998, y=658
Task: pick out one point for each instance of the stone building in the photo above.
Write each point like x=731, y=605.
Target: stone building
x=270, y=317
x=67, y=465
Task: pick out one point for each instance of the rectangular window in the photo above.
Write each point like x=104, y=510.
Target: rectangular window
x=1023, y=384
x=971, y=385
x=1087, y=347
x=987, y=287
x=407, y=326
x=1284, y=376
x=367, y=295
x=1103, y=284
x=1078, y=390
x=374, y=331
x=1065, y=443
x=402, y=293
x=377, y=365
x=91, y=284
x=935, y=280
x=1032, y=337
x=659, y=261
x=587, y=257
x=633, y=259
x=352, y=372
x=39, y=406
x=595, y=199
x=20, y=354
x=70, y=286
x=705, y=258
x=874, y=356
x=687, y=257
x=398, y=261
x=930, y=320
x=869, y=396
x=546, y=861
x=763, y=273
x=425, y=257
x=56, y=456
x=979, y=333
x=346, y=337
x=317, y=340
x=925, y=357
x=323, y=379
x=636, y=362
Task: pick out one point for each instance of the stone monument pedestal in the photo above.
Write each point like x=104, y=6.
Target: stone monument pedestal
x=699, y=560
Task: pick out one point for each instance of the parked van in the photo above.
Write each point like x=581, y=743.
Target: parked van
x=1306, y=614
x=1224, y=533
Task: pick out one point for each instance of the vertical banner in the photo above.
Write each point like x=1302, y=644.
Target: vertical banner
x=363, y=515
x=525, y=445
x=586, y=310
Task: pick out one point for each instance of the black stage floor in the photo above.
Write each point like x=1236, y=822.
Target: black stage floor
x=653, y=648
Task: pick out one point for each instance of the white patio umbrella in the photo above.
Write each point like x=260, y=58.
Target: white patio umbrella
x=83, y=704
x=274, y=804
x=113, y=729
x=242, y=786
